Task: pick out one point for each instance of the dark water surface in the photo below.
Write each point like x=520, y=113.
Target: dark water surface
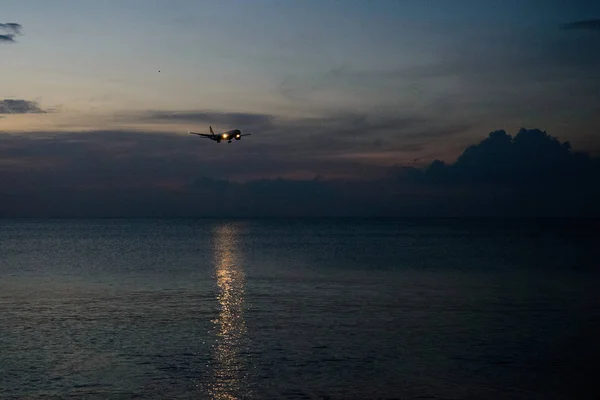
x=298, y=309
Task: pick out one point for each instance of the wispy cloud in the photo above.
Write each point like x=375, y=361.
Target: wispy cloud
x=589, y=24
x=8, y=31
x=210, y=117
x=19, y=106
x=333, y=125
x=11, y=27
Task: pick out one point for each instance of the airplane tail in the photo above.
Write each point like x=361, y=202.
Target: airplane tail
x=211, y=131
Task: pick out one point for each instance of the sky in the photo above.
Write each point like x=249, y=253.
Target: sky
x=101, y=95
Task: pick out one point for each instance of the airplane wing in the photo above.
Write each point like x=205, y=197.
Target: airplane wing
x=206, y=135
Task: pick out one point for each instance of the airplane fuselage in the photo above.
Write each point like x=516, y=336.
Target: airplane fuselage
x=218, y=137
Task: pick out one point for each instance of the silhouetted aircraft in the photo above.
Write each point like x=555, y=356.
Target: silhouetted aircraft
x=227, y=135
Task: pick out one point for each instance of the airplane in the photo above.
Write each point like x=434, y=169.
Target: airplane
x=227, y=135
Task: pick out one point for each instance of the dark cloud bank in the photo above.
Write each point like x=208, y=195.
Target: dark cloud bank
x=129, y=174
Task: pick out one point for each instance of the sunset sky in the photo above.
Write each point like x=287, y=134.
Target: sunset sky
x=336, y=89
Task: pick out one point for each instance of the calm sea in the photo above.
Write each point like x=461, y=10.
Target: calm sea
x=299, y=309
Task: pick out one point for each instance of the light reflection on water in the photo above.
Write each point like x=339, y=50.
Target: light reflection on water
x=229, y=376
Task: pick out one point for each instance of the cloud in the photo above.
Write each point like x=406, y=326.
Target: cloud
x=18, y=106
x=590, y=24
x=531, y=157
x=10, y=30
x=533, y=172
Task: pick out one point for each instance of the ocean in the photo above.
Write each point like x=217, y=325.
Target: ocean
x=299, y=309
